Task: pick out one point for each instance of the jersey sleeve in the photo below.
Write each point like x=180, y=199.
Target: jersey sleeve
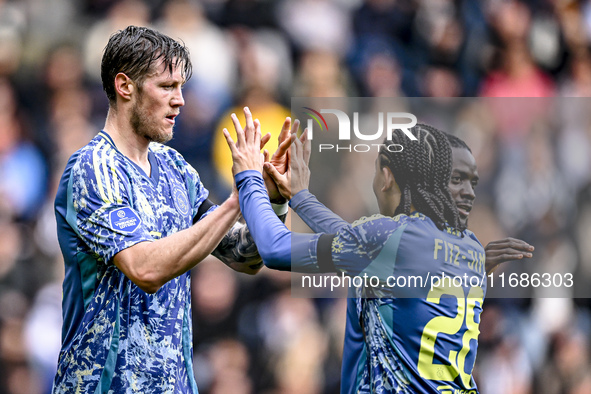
x=356, y=248
x=99, y=209
x=351, y=250
x=315, y=214
x=279, y=248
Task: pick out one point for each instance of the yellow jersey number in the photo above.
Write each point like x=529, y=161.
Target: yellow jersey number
x=450, y=325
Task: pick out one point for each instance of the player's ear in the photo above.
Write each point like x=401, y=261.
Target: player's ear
x=389, y=181
x=124, y=86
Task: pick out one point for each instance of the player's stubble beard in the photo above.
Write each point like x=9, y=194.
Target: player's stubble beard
x=142, y=126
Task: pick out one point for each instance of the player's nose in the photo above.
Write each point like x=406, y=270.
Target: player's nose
x=468, y=191
x=178, y=100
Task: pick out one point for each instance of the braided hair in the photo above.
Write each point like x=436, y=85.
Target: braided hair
x=422, y=171
x=457, y=142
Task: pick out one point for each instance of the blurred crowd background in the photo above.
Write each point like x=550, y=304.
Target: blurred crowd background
x=250, y=335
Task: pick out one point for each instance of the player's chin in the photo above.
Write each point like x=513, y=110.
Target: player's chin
x=164, y=136
x=168, y=136
x=464, y=220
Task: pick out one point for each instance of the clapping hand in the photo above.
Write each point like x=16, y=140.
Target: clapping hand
x=280, y=159
x=246, y=151
x=297, y=174
x=508, y=249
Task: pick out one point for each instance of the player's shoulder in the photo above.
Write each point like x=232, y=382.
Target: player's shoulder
x=380, y=221
x=391, y=220
x=168, y=155
x=95, y=153
x=98, y=144
x=371, y=233
x=423, y=224
x=376, y=219
x=471, y=237
x=165, y=150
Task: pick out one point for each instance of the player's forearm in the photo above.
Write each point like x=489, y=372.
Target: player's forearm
x=315, y=214
x=151, y=264
x=279, y=248
x=270, y=234
x=238, y=249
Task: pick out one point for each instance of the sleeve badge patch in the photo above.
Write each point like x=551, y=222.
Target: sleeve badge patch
x=124, y=220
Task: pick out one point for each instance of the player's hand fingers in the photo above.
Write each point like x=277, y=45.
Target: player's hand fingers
x=296, y=150
x=272, y=172
x=266, y=155
x=501, y=248
x=295, y=127
x=288, y=154
x=517, y=243
x=230, y=142
x=511, y=243
x=508, y=257
x=239, y=132
x=307, y=146
x=285, y=144
x=505, y=251
x=264, y=139
x=284, y=134
x=249, y=130
x=257, y=133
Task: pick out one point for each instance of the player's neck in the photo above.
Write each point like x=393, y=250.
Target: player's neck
x=129, y=143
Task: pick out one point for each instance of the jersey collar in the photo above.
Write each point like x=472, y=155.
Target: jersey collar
x=155, y=173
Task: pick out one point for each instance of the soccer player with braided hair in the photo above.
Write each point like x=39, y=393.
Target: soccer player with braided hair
x=422, y=184
x=462, y=184
x=401, y=336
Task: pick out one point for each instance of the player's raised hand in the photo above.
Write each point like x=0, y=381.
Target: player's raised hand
x=503, y=250
x=246, y=151
x=297, y=176
x=280, y=158
x=265, y=139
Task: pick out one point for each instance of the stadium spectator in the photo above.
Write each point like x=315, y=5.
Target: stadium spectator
x=23, y=171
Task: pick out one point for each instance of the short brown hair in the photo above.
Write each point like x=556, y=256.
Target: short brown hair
x=135, y=51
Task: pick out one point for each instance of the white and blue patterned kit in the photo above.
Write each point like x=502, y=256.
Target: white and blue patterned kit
x=116, y=338
x=414, y=338
x=413, y=327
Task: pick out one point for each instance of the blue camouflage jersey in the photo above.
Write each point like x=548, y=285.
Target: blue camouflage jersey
x=116, y=338
x=417, y=331
x=416, y=297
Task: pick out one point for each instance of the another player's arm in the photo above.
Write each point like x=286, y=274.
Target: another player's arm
x=279, y=248
x=315, y=214
x=280, y=159
x=238, y=250
x=275, y=242
x=151, y=264
x=293, y=180
x=508, y=249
